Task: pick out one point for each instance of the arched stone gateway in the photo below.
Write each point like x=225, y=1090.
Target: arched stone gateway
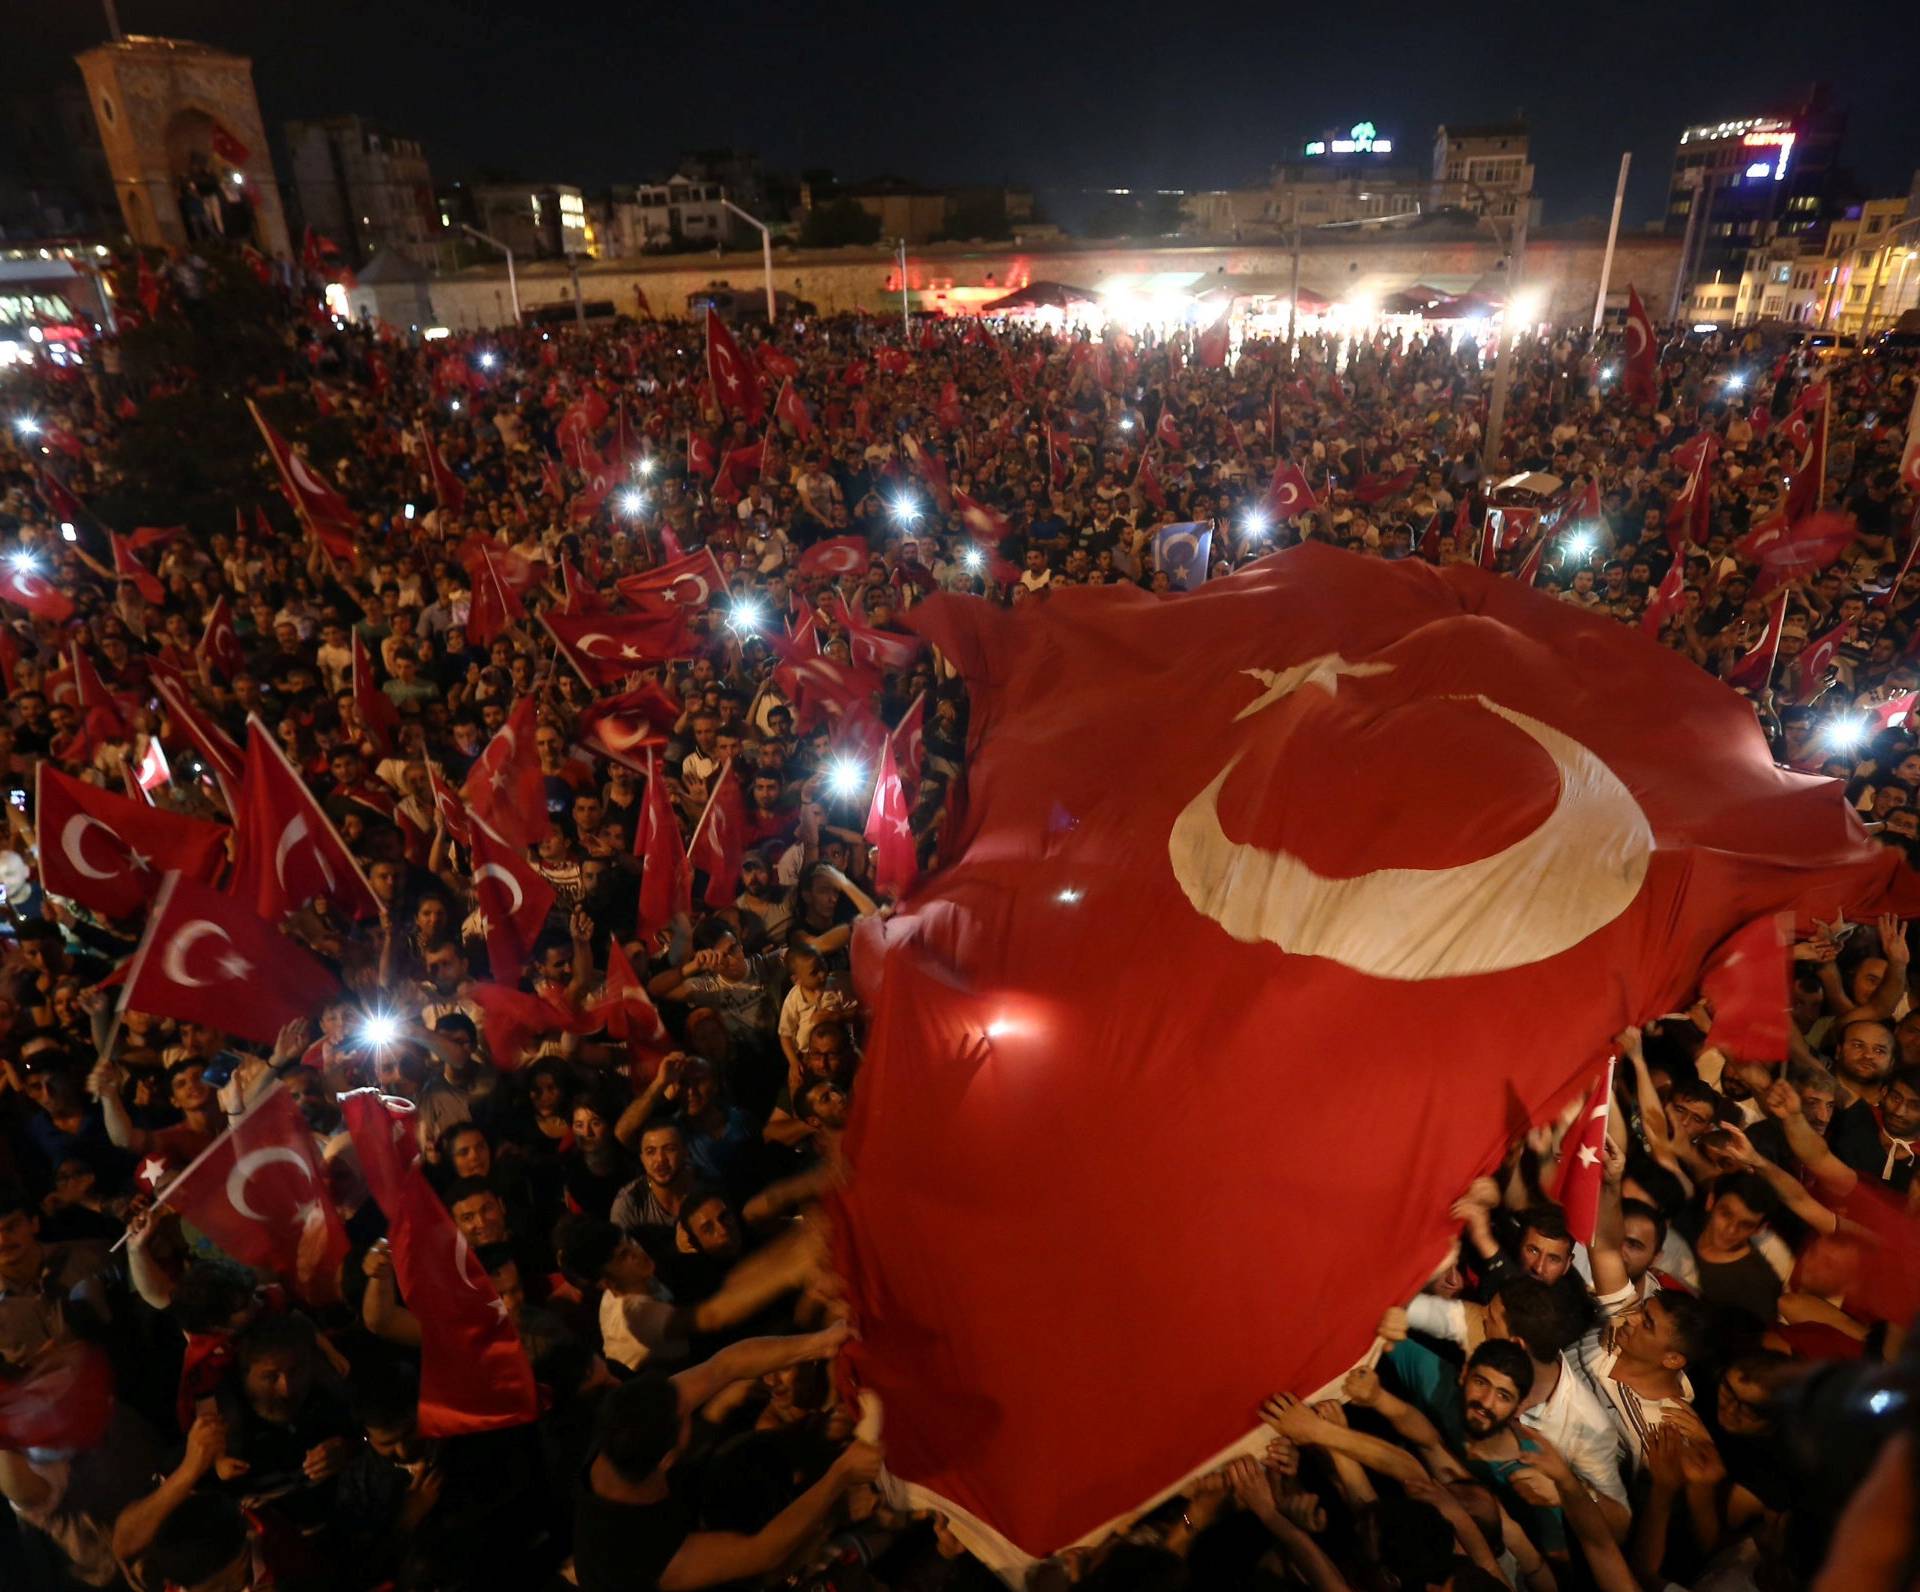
x=184, y=139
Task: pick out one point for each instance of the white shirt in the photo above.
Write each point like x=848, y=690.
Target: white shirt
x=1632, y=1415
x=1569, y=1417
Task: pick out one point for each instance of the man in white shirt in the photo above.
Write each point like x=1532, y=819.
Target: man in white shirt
x=1559, y=1405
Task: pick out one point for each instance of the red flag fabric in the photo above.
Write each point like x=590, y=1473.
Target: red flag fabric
x=623, y=1005
x=1148, y=481
x=720, y=839
x=1810, y=668
x=208, y=958
x=1166, y=431
x=581, y=598
x=666, y=879
x=837, y=555
x=1754, y=670
x=1642, y=379
x=109, y=852
x=103, y=720
x=319, y=506
x=791, y=409
x=452, y=810
x=378, y=716
x=692, y=580
x=735, y=382
x=628, y=725
x=910, y=740
x=514, y=897
x=986, y=524
x=215, y=746
x=28, y=588
x=1784, y=550
x=1635, y=797
x=739, y=470
x=1746, y=984
x=505, y=787
x=449, y=491
x=701, y=459
x=61, y=1399
x=885, y=650
x=781, y=367
x=896, y=862
x=1290, y=493
x=474, y=1373
x=128, y=567
x=496, y=596
x=1894, y=711
x=229, y=148
x=1885, y=599
x=1910, y=454
x=605, y=648
x=1210, y=349
x=286, y=850
x=1583, y=1164
x=1666, y=599
x=1529, y=571
x=261, y=1193
x=220, y=648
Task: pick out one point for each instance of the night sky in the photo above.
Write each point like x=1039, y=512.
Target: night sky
x=1055, y=97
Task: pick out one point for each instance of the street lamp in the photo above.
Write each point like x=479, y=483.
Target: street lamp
x=513, y=287
x=766, y=252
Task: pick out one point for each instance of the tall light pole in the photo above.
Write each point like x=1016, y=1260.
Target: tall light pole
x=1606, y=260
x=906, y=309
x=513, y=286
x=766, y=253
x=1503, y=356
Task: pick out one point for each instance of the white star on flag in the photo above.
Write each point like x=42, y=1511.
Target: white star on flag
x=152, y=1170
x=235, y=966
x=1589, y=1156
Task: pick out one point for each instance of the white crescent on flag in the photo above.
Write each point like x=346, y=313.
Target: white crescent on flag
x=72, y=838
x=174, y=963
x=493, y=870
x=247, y=1165
x=1572, y=876
x=295, y=833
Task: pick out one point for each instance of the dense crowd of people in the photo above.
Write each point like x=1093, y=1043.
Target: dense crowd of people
x=1690, y=1400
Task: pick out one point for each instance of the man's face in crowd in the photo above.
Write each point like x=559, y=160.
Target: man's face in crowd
x=402, y=1444
x=1900, y=1109
x=187, y=1088
x=1743, y=1405
x=713, y=1228
x=446, y=968
x=1545, y=1258
x=1490, y=1401
x=276, y=1384
x=1816, y=1105
x=469, y=1153
x=1866, y=1053
x=706, y=732
x=589, y=1128
x=384, y=880
x=662, y=1156
x=1731, y=1222
x=587, y=813
x=19, y=1247
x=1639, y=1245
x=1649, y=1335
x=481, y=1218
x=696, y=1088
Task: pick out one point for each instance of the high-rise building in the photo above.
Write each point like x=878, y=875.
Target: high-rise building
x=1739, y=183
x=536, y=220
x=363, y=187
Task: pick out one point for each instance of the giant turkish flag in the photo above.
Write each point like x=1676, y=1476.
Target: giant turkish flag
x=1276, y=908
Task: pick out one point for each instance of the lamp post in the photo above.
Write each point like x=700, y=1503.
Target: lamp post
x=513, y=287
x=766, y=252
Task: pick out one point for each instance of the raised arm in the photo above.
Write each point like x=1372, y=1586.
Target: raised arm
x=713, y=1558
x=751, y=1358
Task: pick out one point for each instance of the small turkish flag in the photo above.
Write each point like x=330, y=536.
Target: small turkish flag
x=700, y=455
x=1785, y=550
x=474, y=1373
x=206, y=958
x=220, y=647
x=1211, y=349
x=781, y=367
x=1746, y=985
x=1642, y=379
x=739, y=470
x=324, y=511
x=691, y=581
x=203, y=734
x=449, y=491
x=1583, y=1161
x=109, y=852
x=1291, y=493
x=623, y=1006
x=261, y=1193
x=720, y=839
x=1810, y=668
x=512, y=1020
x=228, y=148
x=1167, y=431
x=987, y=524
x=581, y=598
x=1754, y=670
x=837, y=555
x=605, y=648
x=791, y=409
x=128, y=567
x=505, y=787
x=1666, y=600
x=820, y=681
x=374, y=708
x=736, y=383
x=286, y=850
x=872, y=648
x=1148, y=481
x=889, y=831
x=28, y=589
x=910, y=740
x=514, y=898
x=666, y=879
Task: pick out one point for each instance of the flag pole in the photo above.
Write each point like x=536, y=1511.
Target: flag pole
x=1606, y=260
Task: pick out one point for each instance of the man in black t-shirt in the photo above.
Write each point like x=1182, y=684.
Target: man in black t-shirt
x=636, y=1526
